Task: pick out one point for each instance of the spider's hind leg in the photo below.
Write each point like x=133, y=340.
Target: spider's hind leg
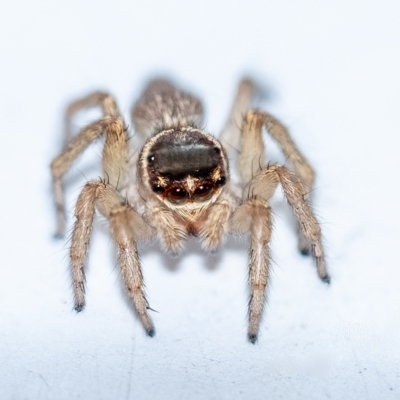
x=263, y=185
x=251, y=158
x=230, y=135
x=296, y=194
x=103, y=100
x=115, y=154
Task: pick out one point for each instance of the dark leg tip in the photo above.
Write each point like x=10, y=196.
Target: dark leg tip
x=252, y=338
x=58, y=236
x=151, y=332
x=326, y=279
x=305, y=252
x=79, y=307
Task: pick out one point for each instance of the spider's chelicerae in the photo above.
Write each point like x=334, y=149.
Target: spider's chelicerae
x=178, y=185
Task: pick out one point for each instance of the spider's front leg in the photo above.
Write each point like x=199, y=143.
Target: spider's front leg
x=127, y=226
x=254, y=216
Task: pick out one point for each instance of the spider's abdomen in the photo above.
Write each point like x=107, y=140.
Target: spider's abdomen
x=162, y=106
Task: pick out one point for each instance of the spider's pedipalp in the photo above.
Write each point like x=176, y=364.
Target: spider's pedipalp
x=170, y=232
x=214, y=229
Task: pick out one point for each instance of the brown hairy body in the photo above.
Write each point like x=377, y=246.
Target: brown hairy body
x=179, y=185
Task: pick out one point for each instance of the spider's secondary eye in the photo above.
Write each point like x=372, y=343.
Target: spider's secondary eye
x=221, y=181
x=150, y=158
x=157, y=189
x=217, y=150
x=177, y=194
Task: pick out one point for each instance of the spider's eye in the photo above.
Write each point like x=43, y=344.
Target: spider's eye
x=177, y=195
x=221, y=181
x=217, y=150
x=150, y=158
x=203, y=191
x=157, y=189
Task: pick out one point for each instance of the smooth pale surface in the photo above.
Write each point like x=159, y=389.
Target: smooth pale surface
x=331, y=74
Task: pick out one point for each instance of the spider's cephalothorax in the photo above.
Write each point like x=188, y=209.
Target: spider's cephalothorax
x=182, y=187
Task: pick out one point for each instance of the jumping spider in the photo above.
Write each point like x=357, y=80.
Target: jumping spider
x=179, y=185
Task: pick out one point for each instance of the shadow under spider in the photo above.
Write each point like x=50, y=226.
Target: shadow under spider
x=193, y=247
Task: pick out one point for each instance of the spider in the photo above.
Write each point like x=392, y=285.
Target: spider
x=178, y=185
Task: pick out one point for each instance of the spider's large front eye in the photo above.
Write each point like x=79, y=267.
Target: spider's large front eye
x=177, y=195
x=203, y=192
x=150, y=158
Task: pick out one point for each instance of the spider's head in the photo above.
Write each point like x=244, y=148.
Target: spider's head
x=184, y=167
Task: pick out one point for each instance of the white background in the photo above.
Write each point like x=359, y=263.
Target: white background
x=331, y=72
